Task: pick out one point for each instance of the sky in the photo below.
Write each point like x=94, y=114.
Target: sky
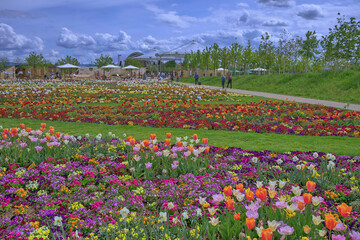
x=87, y=28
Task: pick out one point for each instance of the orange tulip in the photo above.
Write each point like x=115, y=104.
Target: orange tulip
x=195, y=137
x=250, y=223
x=52, y=131
x=42, y=129
x=228, y=191
x=237, y=216
x=207, y=149
x=307, y=198
x=307, y=229
x=266, y=234
x=43, y=125
x=205, y=140
x=249, y=195
x=230, y=203
x=310, y=186
x=301, y=206
x=22, y=126
x=178, y=143
x=28, y=129
x=167, y=142
x=155, y=148
x=152, y=136
x=146, y=143
x=4, y=136
x=330, y=221
x=168, y=135
x=261, y=193
x=57, y=134
x=132, y=141
x=129, y=138
x=240, y=187
x=48, y=137
x=344, y=209
x=6, y=130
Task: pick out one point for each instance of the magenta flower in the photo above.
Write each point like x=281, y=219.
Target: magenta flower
x=38, y=148
x=174, y=166
x=338, y=237
x=148, y=165
x=286, y=230
x=354, y=235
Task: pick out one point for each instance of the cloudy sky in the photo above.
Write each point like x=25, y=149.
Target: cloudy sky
x=87, y=28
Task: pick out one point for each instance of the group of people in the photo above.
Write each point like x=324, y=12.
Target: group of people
x=223, y=79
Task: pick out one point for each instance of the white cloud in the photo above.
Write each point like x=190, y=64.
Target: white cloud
x=278, y=3
x=243, y=5
x=171, y=18
x=275, y=23
x=310, y=11
x=11, y=41
x=69, y=39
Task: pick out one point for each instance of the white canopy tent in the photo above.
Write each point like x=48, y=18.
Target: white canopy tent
x=130, y=67
x=110, y=66
x=67, y=66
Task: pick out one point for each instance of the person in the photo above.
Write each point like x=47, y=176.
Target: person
x=229, y=81
x=196, y=78
x=177, y=78
x=223, y=81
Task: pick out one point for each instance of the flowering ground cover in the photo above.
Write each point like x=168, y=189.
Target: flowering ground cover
x=58, y=186
x=164, y=105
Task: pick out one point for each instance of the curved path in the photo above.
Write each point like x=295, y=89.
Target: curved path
x=347, y=106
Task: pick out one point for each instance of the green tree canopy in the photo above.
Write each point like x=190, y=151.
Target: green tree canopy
x=35, y=60
x=134, y=62
x=4, y=63
x=103, y=61
x=67, y=59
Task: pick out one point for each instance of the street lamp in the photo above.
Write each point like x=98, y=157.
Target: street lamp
x=119, y=55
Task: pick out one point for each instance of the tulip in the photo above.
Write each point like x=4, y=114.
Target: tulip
x=230, y=203
x=191, y=148
x=155, y=148
x=195, y=137
x=307, y=198
x=132, y=141
x=48, y=137
x=52, y=130
x=43, y=125
x=240, y=187
x=249, y=194
x=152, y=136
x=228, y=191
x=261, y=193
x=4, y=136
x=205, y=140
x=306, y=229
x=207, y=149
x=22, y=126
x=129, y=138
x=237, y=216
x=250, y=223
x=167, y=142
x=146, y=143
x=330, y=221
x=168, y=135
x=310, y=186
x=57, y=134
x=6, y=130
x=28, y=130
x=301, y=206
x=266, y=234
x=178, y=144
x=344, y=209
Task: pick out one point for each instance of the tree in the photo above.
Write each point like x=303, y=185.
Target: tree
x=266, y=53
x=224, y=57
x=134, y=62
x=206, y=58
x=186, y=61
x=235, y=54
x=69, y=60
x=19, y=62
x=103, y=61
x=214, y=55
x=309, y=47
x=4, y=63
x=247, y=57
x=35, y=60
x=328, y=48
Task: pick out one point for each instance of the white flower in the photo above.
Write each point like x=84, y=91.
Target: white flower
x=124, y=134
x=311, y=167
x=298, y=167
x=330, y=156
x=185, y=215
x=259, y=184
x=212, y=210
x=279, y=161
x=296, y=190
x=315, y=155
x=124, y=212
x=166, y=153
x=163, y=217
x=185, y=144
x=87, y=135
x=282, y=183
x=331, y=165
x=272, y=184
x=259, y=230
x=202, y=200
x=214, y=221
x=175, y=220
x=295, y=159
x=240, y=196
x=110, y=133
x=58, y=221
x=185, y=138
x=254, y=159
x=178, y=139
x=170, y=205
x=198, y=212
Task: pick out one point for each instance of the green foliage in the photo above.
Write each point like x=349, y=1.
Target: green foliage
x=103, y=61
x=134, y=62
x=4, y=63
x=68, y=59
x=36, y=60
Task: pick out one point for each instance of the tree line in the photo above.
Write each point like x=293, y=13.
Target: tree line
x=338, y=50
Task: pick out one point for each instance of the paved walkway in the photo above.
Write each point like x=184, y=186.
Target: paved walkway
x=355, y=107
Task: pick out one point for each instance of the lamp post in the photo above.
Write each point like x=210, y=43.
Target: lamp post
x=119, y=55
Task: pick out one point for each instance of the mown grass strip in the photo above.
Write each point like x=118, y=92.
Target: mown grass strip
x=249, y=141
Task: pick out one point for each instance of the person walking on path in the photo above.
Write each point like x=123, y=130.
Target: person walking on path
x=223, y=78
x=196, y=78
x=229, y=81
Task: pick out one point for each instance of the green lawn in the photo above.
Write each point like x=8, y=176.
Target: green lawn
x=249, y=141
x=340, y=86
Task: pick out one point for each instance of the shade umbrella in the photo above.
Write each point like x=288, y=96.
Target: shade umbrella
x=67, y=66
x=130, y=67
x=110, y=66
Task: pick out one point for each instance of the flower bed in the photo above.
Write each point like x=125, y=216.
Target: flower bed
x=55, y=186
